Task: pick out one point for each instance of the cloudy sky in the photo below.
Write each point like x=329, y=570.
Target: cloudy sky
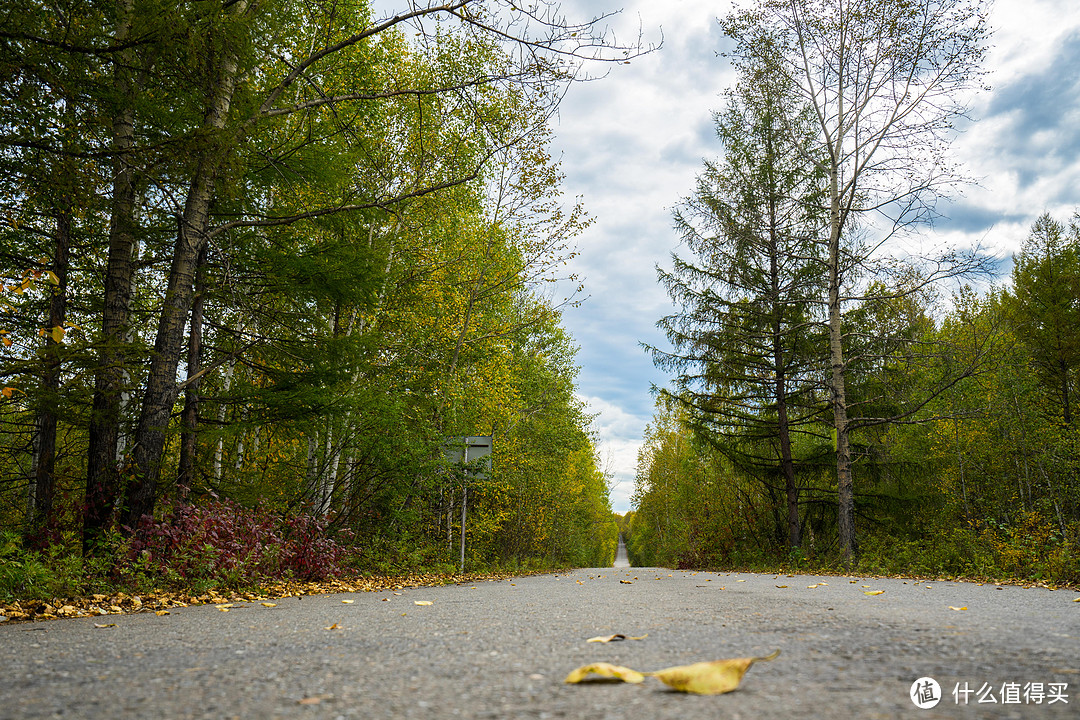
x=632, y=143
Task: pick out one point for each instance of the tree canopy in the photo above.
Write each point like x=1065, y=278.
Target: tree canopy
x=278, y=252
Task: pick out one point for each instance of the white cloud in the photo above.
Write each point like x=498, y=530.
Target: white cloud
x=619, y=436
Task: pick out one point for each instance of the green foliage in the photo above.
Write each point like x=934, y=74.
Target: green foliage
x=980, y=482
x=55, y=571
x=361, y=223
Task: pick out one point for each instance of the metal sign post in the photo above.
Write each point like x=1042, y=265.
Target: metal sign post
x=463, y=450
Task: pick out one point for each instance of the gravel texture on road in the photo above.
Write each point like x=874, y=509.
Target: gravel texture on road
x=502, y=649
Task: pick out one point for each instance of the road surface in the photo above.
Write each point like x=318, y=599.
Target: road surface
x=502, y=649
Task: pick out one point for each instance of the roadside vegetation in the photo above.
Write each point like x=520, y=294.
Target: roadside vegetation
x=265, y=267
x=845, y=394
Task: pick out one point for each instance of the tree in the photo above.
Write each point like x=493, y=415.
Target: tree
x=886, y=81
x=281, y=183
x=1045, y=304
x=743, y=341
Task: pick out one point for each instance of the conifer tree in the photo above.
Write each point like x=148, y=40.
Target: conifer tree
x=743, y=337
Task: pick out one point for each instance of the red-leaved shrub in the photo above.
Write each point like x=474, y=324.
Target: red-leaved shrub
x=225, y=543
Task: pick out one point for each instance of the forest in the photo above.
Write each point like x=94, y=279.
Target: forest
x=842, y=395
x=265, y=264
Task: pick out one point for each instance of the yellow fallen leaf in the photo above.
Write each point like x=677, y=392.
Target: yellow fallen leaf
x=708, y=678
x=740, y=581
x=605, y=670
x=811, y=587
x=422, y=602
x=333, y=627
x=159, y=613
x=953, y=607
x=225, y=607
x=106, y=625
x=314, y=699
x=873, y=592
x=781, y=586
x=626, y=582
x=614, y=638
x=268, y=604
x=347, y=602
x=1076, y=599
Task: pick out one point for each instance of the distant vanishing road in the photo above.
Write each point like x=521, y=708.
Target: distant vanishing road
x=502, y=649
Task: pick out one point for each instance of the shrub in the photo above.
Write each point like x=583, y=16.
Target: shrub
x=221, y=543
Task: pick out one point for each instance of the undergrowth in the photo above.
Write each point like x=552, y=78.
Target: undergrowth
x=222, y=546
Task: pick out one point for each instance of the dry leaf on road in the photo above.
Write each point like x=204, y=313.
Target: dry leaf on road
x=606, y=670
x=708, y=678
x=614, y=638
x=873, y=592
x=422, y=602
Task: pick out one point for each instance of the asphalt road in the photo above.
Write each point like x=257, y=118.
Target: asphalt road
x=502, y=649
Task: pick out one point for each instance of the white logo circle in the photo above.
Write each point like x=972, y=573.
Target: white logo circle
x=925, y=693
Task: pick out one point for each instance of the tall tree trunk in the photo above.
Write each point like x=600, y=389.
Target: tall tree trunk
x=102, y=476
x=1066, y=412
x=787, y=464
x=161, y=389
x=844, y=481
x=44, y=482
x=226, y=385
x=160, y=393
x=189, y=418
